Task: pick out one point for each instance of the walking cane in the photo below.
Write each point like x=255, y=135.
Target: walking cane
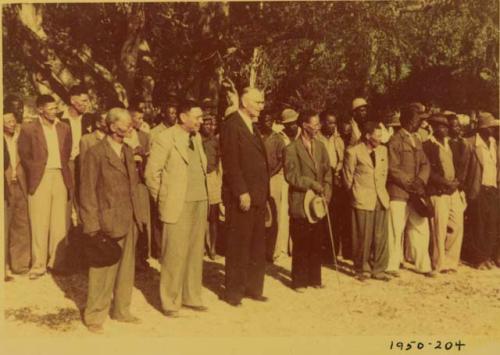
x=330, y=232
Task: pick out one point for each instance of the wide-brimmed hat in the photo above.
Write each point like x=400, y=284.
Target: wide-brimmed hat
x=314, y=207
x=358, y=102
x=289, y=115
x=394, y=120
x=102, y=250
x=438, y=118
x=486, y=120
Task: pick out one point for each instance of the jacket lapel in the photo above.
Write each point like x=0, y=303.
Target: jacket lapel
x=179, y=146
x=304, y=155
x=201, y=152
x=256, y=140
x=113, y=158
x=60, y=138
x=365, y=156
x=40, y=136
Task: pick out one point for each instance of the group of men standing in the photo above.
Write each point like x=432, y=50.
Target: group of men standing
x=390, y=193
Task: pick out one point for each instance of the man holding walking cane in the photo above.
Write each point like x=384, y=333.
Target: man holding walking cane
x=308, y=173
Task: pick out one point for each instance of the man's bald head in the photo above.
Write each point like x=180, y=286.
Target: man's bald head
x=252, y=102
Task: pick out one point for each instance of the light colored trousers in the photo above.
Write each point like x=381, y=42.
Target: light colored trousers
x=447, y=231
x=112, y=284
x=279, y=193
x=48, y=211
x=403, y=217
x=182, y=257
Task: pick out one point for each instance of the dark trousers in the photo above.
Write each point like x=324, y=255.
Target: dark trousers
x=481, y=239
x=156, y=230
x=19, y=234
x=245, y=252
x=212, y=232
x=306, y=254
x=369, y=239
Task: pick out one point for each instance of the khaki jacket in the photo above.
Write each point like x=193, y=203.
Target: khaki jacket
x=167, y=172
x=366, y=182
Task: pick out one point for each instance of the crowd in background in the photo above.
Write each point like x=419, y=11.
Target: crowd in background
x=408, y=186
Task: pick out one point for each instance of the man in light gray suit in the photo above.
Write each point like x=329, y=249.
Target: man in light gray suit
x=365, y=172
x=176, y=178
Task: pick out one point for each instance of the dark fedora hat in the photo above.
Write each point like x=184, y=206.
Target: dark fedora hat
x=102, y=250
x=422, y=205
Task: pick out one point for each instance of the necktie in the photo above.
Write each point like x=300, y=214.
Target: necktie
x=372, y=155
x=191, y=144
x=122, y=155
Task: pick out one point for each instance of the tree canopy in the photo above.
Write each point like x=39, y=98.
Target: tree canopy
x=303, y=54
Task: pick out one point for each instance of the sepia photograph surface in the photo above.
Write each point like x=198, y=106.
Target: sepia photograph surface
x=251, y=177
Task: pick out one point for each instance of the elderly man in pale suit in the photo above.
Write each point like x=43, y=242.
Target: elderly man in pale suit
x=109, y=205
x=365, y=173
x=176, y=178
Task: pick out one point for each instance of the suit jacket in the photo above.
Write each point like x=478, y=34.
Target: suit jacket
x=461, y=156
x=437, y=184
x=275, y=149
x=302, y=173
x=33, y=152
x=474, y=170
x=108, y=191
x=20, y=175
x=366, y=182
x=88, y=140
x=86, y=123
x=405, y=164
x=244, y=163
x=167, y=172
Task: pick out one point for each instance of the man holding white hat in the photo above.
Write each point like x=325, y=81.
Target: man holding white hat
x=307, y=167
x=359, y=114
x=481, y=190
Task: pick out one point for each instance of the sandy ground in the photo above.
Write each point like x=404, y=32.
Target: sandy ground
x=464, y=303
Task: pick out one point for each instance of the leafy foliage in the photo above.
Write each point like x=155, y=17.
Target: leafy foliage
x=309, y=53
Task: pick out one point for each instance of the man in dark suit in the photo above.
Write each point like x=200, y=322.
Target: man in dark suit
x=110, y=206
x=245, y=191
x=44, y=149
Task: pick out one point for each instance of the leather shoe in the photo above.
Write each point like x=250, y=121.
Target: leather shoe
x=258, y=298
x=129, y=319
x=431, y=274
x=95, y=328
x=362, y=277
x=381, y=277
x=393, y=273
x=171, y=314
x=35, y=275
x=196, y=308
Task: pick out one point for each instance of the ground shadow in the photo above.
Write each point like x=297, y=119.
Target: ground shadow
x=343, y=267
x=74, y=287
x=148, y=283
x=279, y=273
x=213, y=276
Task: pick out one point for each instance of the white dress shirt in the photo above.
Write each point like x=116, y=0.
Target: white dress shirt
x=12, y=149
x=488, y=160
x=248, y=121
x=117, y=147
x=54, y=154
x=76, y=133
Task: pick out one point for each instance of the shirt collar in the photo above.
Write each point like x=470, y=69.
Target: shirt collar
x=68, y=116
x=480, y=142
x=114, y=144
x=435, y=141
x=248, y=121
